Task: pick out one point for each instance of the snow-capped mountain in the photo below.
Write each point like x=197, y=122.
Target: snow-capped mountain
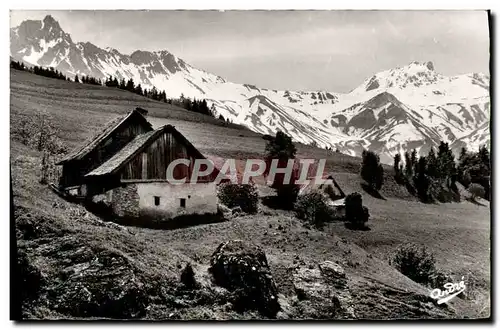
x=395, y=110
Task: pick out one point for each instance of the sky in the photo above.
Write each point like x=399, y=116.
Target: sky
x=290, y=50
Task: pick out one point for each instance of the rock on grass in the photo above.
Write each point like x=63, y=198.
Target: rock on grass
x=322, y=292
x=242, y=268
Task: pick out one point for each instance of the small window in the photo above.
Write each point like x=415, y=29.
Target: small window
x=183, y=202
x=157, y=200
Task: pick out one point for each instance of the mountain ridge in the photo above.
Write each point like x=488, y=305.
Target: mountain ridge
x=392, y=111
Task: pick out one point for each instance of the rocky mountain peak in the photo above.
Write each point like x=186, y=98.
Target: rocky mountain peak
x=424, y=65
x=51, y=29
x=50, y=21
x=413, y=75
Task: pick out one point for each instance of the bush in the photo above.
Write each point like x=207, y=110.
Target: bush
x=243, y=195
x=287, y=195
x=415, y=262
x=371, y=170
x=476, y=190
x=355, y=212
x=441, y=192
x=475, y=167
x=187, y=277
x=39, y=132
x=313, y=208
x=438, y=279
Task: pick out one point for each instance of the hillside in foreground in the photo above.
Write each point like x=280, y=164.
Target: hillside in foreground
x=76, y=262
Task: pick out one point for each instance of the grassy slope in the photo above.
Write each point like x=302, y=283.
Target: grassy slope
x=70, y=247
x=457, y=233
x=81, y=109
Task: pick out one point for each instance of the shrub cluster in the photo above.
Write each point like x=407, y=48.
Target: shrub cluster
x=476, y=190
x=286, y=195
x=39, y=132
x=312, y=207
x=243, y=195
x=475, y=167
x=355, y=212
x=417, y=263
x=187, y=277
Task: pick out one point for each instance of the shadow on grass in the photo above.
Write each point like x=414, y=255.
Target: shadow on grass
x=100, y=210
x=351, y=226
x=181, y=221
x=153, y=221
x=473, y=201
x=372, y=192
x=274, y=202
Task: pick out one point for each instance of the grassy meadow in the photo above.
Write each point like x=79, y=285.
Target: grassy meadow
x=457, y=233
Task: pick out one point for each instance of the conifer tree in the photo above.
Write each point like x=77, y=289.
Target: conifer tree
x=432, y=164
x=408, y=166
x=138, y=89
x=130, y=85
x=281, y=148
x=371, y=170
x=397, y=159
x=421, y=179
x=446, y=163
x=414, y=160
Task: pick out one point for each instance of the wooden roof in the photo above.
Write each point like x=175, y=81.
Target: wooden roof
x=138, y=144
x=313, y=185
x=127, y=152
x=108, y=129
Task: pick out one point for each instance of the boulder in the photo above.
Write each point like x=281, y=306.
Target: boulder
x=333, y=273
x=242, y=268
x=322, y=292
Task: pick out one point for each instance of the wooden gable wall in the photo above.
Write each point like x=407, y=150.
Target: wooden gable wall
x=74, y=171
x=152, y=162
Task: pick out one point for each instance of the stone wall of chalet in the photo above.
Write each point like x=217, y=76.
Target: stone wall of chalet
x=125, y=201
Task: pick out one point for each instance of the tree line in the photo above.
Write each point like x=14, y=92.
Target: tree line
x=194, y=105
x=88, y=80
x=38, y=70
x=435, y=175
